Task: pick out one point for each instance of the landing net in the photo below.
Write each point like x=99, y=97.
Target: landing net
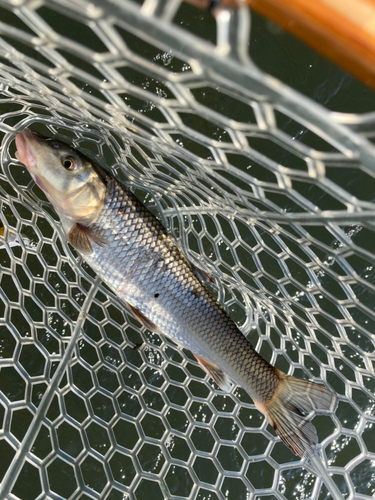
x=267, y=191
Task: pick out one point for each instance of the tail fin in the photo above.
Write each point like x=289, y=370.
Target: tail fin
x=291, y=408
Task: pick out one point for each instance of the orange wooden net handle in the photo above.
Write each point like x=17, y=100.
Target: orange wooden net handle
x=342, y=30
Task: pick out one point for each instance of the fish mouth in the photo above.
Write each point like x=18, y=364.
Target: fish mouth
x=25, y=141
x=24, y=153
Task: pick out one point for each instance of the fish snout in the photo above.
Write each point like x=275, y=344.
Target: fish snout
x=25, y=141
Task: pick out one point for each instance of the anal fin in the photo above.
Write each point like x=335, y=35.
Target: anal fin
x=216, y=373
x=146, y=322
x=81, y=236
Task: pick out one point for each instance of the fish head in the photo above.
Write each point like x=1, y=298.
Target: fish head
x=71, y=182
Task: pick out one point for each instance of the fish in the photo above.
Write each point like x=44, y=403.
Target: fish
x=132, y=252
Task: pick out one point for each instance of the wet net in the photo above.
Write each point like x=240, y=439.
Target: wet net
x=270, y=193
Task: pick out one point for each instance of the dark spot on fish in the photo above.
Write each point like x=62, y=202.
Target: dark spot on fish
x=156, y=295
x=196, y=292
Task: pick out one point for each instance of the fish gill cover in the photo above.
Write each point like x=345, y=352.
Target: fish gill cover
x=268, y=192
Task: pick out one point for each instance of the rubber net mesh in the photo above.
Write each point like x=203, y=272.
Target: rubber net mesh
x=278, y=208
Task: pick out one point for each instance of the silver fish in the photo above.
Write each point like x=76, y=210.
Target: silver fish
x=131, y=251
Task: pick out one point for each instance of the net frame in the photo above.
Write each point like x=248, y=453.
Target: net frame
x=287, y=311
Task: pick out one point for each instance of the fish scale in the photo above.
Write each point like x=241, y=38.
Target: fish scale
x=127, y=264
x=132, y=252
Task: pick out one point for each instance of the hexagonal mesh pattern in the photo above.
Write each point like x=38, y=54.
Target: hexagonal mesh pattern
x=270, y=193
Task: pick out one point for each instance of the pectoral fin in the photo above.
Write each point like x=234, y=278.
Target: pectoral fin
x=81, y=236
x=214, y=372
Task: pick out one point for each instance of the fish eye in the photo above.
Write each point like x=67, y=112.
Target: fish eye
x=69, y=163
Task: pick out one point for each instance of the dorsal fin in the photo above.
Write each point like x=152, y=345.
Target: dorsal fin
x=214, y=372
x=80, y=237
x=202, y=275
